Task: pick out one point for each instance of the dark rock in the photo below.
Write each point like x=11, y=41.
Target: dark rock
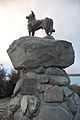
x=29, y=87
x=30, y=52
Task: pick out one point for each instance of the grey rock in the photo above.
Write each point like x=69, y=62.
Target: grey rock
x=65, y=106
x=49, y=112
x=15, y=103
x=59, y=80
x=66, y=91
x=57, y=76
x=10, y=115
x=19, y=116
x=53, y=94
x=4, y=103
x=43, y=87
x=31, y=52
x=56, y=71
x=71, y=105
x=33, y=106
x=31, y=111
x=24, y=104
x=76, y=99
x=18, y=87
x=49, y=37
x=77, y=116
x=31, y=75
x=38, y=70
x=42, y=78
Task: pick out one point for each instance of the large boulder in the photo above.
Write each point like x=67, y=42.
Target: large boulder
x=50, y=112
x=32, y=52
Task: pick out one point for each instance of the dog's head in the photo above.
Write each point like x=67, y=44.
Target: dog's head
x=31, y=17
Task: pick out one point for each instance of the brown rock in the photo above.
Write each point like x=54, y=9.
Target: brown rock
x=53, y=94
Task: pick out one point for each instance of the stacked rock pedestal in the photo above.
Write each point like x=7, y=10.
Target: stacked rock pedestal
x=43, y=91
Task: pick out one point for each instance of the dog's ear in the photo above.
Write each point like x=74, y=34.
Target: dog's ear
x=27, y=17
x=32, y=13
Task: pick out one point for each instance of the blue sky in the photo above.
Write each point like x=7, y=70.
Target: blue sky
x=13, y=24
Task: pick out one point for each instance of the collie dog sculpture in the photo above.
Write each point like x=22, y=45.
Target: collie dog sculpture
x=34, y=24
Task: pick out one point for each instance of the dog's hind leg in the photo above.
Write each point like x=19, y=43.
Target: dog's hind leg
x=53, y=30
x=47, y=32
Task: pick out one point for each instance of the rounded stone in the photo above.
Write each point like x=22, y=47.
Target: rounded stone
x=49, y=112
x=32, y=52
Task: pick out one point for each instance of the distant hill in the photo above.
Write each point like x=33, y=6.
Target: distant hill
x=74, y=74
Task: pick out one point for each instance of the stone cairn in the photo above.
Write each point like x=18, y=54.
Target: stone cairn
x=43, y=90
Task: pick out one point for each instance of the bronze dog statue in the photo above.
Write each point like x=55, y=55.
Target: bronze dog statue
x=34, y=24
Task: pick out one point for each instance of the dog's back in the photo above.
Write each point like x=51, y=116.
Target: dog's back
x=35, y=25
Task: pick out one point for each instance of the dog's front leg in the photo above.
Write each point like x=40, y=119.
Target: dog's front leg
x=29, y=33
